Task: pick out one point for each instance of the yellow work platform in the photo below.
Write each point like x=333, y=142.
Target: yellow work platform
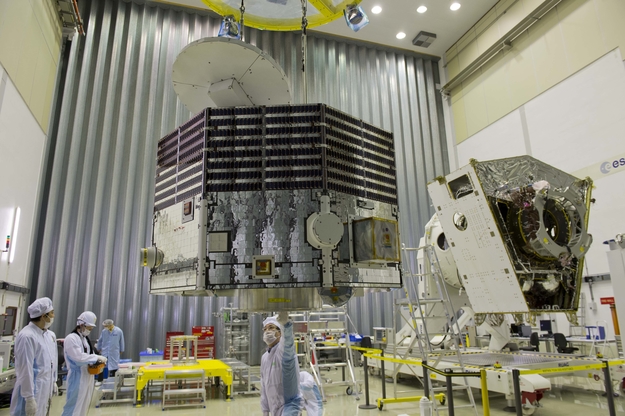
x=156, y=371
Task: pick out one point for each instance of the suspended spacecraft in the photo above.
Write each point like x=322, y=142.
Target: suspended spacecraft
x=282, y=205
x=518, y=232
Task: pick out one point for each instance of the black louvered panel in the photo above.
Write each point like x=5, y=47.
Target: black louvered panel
x=167, y=146
x=196, y=122
x=306, y=146
x=180, y=163
x=163, y=184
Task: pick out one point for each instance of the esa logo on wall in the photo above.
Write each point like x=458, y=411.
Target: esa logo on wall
x=608, y=167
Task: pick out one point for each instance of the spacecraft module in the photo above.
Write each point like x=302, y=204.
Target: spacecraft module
x=278, y=202
x=517, y=228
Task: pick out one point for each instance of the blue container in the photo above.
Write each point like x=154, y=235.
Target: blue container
x=595, y=332
x=145, y=357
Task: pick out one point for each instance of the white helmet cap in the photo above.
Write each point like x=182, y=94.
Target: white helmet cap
x=107, y=322
x=87, y=318
x=40, y=307
x=273, y=320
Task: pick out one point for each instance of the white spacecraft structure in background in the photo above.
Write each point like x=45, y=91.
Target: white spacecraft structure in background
x=283, y=206
x=510, y=236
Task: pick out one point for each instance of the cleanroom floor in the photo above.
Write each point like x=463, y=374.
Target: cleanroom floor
x=560, y=401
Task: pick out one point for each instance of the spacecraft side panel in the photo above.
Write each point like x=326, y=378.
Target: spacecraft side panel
x=542, y=212
x=476, y=243
x=519, y=171
x=351, y=208
x=263, y=176
x=262, y=223
x=177, y=235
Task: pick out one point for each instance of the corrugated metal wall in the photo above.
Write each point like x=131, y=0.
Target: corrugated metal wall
x=119, y=100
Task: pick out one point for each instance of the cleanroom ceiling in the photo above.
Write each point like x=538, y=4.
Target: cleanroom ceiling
x=400, y=16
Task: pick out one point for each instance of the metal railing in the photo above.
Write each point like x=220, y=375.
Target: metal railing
x=377, y=354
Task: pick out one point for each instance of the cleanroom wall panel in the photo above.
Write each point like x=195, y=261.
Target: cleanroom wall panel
x=610, y=15
x=530, y=5
x=605, y=221
x=46, y=14
x=453, y=67
x=510, y=14
x=468, y=54
x=475, y=104
x=460, y=115
x=487, y=34
x=466, y=39
x=566, y=39
x=30, y=45
x=581, y=119
x=580, y=27
x=40, y=98
x=13, y=13
x=548, y=53
x=119, y=100
x=521, y=73
x=502, y=139
x=497, y=99
x=22, y=144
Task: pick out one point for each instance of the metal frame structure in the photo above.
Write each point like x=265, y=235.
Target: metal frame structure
x=236, y=334
x=119, y=389
x=185, y=386
x=325, y=331
x=422, y=311
x=244, y=381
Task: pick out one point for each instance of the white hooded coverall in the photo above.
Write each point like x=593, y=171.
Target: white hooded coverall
x=313, y=403
x=35, y=367
x=80, y=384
x=279, y=377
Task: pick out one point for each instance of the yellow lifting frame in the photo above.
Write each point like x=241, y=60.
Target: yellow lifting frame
x=327, y=13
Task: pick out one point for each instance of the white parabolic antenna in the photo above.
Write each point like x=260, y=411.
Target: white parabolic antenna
x=223, y=72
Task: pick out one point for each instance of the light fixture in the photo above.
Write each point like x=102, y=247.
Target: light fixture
x=355, y=17
x=424, y=39
x=422, y=9
x=16, y=223
x=454, y=6
x=400, y=35
x=229, y=28
x=376, y=9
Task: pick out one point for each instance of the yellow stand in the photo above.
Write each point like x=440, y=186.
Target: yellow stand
x=381, y=402
x=156, y=371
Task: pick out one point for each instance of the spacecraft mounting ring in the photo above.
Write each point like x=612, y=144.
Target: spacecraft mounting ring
x=578, y=242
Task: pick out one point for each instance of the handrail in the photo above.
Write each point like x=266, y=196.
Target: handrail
x=448, y=374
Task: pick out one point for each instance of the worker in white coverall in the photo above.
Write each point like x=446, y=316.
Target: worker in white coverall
x=111, y=345
x=313, y=403
x=78, y=355
x=279, y=370
x=35, y=362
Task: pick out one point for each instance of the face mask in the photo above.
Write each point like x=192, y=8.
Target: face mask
x=85, y=332
x=48, y=324
x=269, y=337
